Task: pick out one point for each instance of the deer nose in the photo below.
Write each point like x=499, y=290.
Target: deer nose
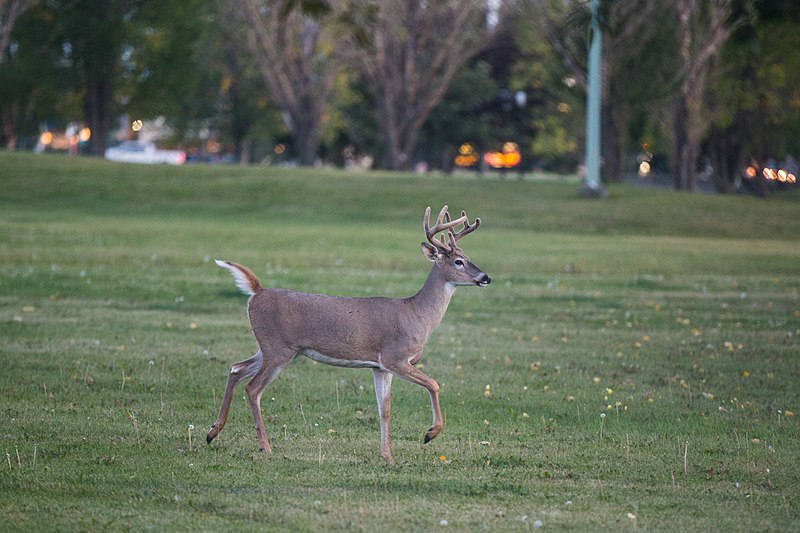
x=483, y=279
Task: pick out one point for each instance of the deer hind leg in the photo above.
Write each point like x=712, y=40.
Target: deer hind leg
x=410, y=373
x=239, y=371
x=273, y=364
x=383, y=393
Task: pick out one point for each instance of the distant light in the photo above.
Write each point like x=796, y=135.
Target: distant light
x=213, y=147
x=570, y=82
x=137, y=125
x=84, y=135
x=46, y=138
x=751, y=172
x=280, y=148
x=780, y=175
x=467, y=157
x=508, y=158
x=563, y=107
x=644, y=168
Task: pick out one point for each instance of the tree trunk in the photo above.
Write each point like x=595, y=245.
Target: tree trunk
x=9, y=127
x=703, y=29
x=682, y=160
x=726, y=158
x=98, y=102
x=611, y=164
x=307, y=142
x=297, y=67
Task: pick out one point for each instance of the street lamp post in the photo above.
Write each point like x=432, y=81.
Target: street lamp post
x=591, y=185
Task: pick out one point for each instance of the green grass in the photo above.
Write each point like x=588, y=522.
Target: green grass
x=676, y=316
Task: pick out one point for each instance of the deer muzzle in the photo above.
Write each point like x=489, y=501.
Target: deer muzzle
x=482, y=280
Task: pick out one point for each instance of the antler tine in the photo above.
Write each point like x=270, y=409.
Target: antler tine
x=468, y=228
x=443, y=214
x=443, y=222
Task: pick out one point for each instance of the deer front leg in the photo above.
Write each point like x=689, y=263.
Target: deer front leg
x=383, y=393
x=410, y=373
x=239, y=371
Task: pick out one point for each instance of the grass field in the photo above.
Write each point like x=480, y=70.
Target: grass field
x=634, y=364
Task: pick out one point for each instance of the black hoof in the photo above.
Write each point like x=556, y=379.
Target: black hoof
x=427, y=439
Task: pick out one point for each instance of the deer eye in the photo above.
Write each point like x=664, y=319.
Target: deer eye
x=459, y=263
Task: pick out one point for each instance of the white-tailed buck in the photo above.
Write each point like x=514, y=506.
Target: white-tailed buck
x=384, y=334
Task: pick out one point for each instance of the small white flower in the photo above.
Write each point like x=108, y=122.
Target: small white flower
x=602, y=415
x=191, y=427
x=537, y=524
x=442, y=522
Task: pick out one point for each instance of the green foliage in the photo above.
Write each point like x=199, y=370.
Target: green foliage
x=163, y=55
x=558, y=103
x=675, y=316
x=188, y=61
x=554, y=140
x=762, y=90
x=462, y=116
x=37, y=86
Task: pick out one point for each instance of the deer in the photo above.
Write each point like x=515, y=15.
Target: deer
x=384, y=334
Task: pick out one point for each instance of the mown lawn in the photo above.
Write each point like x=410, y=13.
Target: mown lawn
x=634, y=363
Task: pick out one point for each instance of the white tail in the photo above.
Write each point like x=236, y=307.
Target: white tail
x=385, y=334
x=246, y=281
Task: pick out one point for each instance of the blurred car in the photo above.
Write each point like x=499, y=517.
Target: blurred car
x=144, y=152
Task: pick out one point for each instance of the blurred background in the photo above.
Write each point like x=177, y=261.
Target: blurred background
x=697, y=95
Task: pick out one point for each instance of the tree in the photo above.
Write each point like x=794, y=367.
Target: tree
x=756, y=96
x=555, y=101
x=163, y=57
x=409, y=51
x=462, y=116
x=108, y=56
x=189, y=67
x=702, y=30
x=37, y=86
x=10, y=10
x=92, y=33
x=295, y=58
x=229, y=99
x=630, y=39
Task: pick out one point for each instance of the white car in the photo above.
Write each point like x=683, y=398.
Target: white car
x=144, y=152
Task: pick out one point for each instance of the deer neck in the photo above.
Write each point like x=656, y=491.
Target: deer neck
x=431, y=302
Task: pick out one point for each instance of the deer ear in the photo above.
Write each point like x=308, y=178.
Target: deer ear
x=430, y=251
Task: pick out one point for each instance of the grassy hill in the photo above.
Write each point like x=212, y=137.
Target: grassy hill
x=633, y=364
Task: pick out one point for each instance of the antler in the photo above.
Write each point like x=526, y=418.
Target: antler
x=444, y=223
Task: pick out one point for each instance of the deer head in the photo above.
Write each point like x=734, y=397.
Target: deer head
x=446, y=254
